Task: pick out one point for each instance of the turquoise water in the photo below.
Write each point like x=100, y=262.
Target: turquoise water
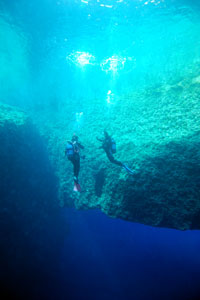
x=73, y=49
x=82, y=66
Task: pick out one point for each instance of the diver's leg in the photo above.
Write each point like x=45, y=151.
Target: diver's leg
x=76, y=166
x=119, y=163
x=112, y=160
x=73, y=162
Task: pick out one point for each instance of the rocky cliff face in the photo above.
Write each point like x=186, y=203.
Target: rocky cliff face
x=29, y=221
x=24, y=162
x=157, y=134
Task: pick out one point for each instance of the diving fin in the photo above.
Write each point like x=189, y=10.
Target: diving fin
x=77, y=187
x=128, y=169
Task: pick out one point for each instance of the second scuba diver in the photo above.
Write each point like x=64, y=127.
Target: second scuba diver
x=109, y=146
x=73, y=154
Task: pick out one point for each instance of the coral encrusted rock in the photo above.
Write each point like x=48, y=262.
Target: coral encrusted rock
x=158, y=135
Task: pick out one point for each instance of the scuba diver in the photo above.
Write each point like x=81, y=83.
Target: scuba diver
x=73, y=154
x=109, y=146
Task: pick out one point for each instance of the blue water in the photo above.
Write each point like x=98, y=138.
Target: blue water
x=105, y=258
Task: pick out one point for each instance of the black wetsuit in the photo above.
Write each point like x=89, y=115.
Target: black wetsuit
x=107, y=146
x=75, y=159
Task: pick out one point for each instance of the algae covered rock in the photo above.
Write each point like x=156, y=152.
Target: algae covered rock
x=157, y=134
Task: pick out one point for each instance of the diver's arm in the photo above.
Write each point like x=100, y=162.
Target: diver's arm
x=98, y=139
x=81, y=146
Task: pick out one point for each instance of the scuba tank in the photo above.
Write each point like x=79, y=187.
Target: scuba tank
x=69, y=150
x=113, y=146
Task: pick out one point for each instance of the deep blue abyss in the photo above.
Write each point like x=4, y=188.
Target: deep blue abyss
x=105, y=258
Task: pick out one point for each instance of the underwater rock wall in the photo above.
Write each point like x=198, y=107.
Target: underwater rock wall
x=31, y=226
x=157, y=134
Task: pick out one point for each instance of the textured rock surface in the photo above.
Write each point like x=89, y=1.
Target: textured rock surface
x=28, y=206
x=157, y=134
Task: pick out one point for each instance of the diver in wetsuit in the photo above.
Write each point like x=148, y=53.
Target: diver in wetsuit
x=73, y=153
x=109, y=146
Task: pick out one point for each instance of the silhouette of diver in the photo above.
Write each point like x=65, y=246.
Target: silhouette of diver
x=109, y=146
x=73, y=154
